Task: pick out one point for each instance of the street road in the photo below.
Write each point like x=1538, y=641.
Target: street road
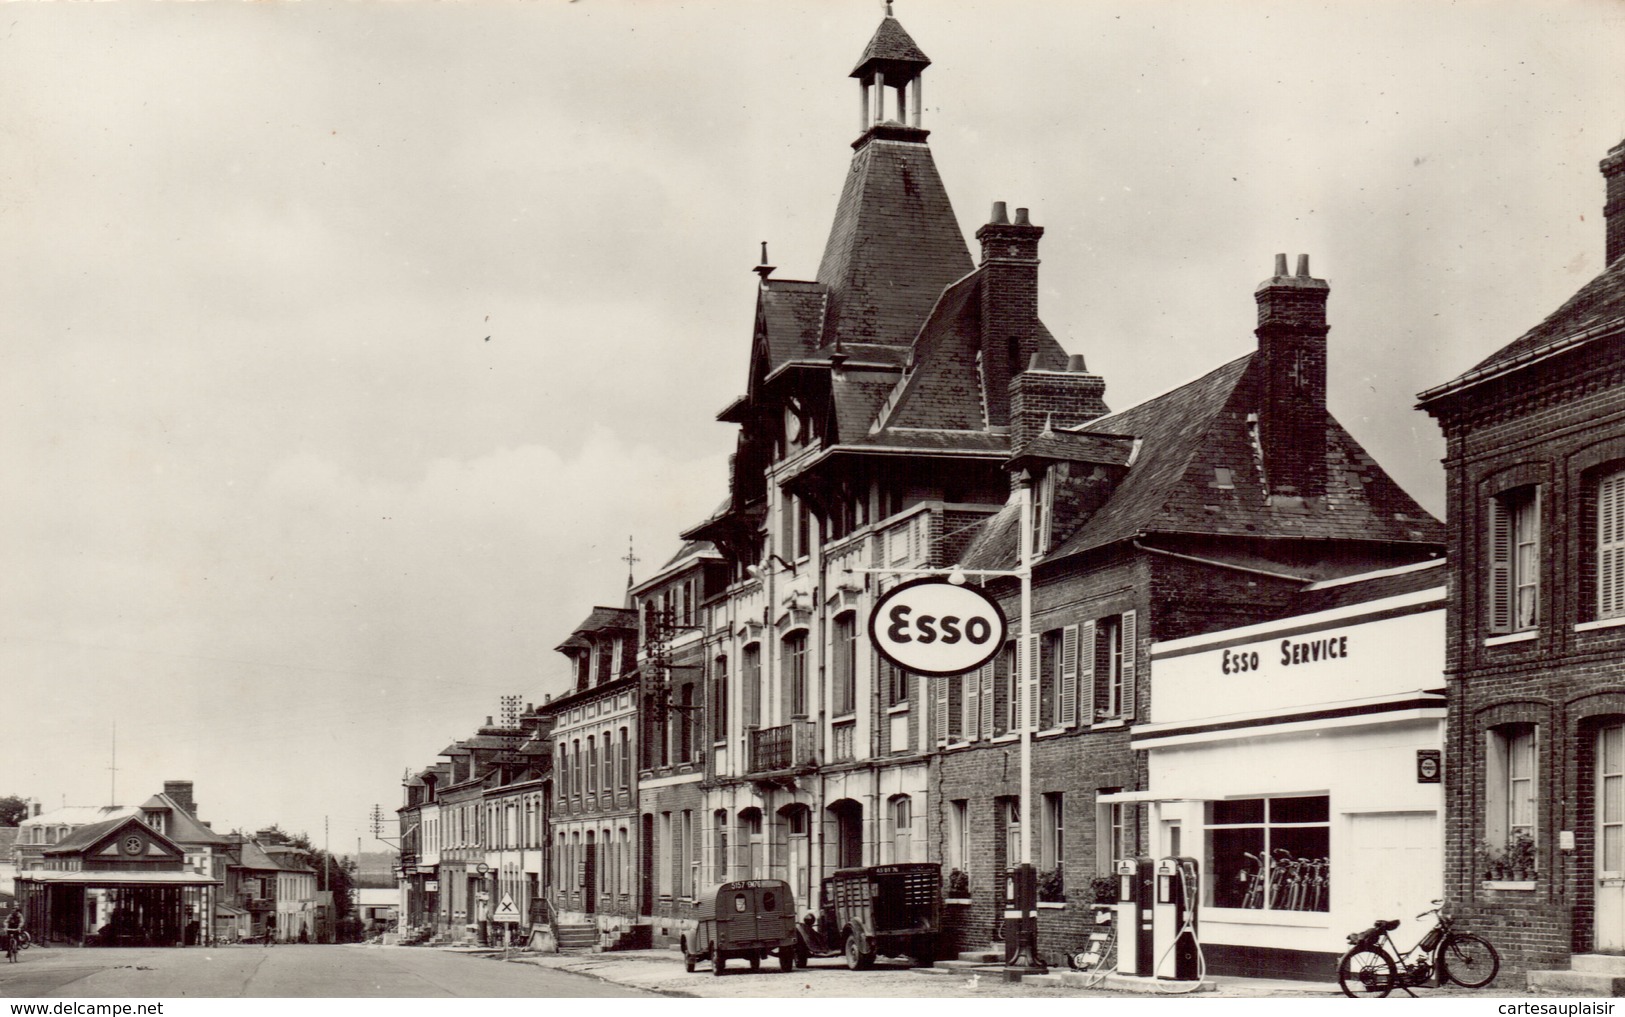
x=287, y=970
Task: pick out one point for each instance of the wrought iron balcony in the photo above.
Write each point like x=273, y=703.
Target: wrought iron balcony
x=783, y=747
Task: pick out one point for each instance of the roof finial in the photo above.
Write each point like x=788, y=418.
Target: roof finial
x=632, y=559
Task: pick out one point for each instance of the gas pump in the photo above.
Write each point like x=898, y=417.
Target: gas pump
x=1178, y=956
x=1134, y=896
x=1021, y=918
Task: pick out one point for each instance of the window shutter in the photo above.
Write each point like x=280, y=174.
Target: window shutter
x=1611, y=546
x=1500, y=562
x=989, y=699
x=1129, y=633
x=1032, y=683
x=1086, y=672
x=942, y=709
x=972, y=724
x=1067, y=705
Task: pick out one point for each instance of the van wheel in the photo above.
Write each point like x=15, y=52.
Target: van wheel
x=787, y=958
x=856, y=959
x=716, y=960
x=756, y=961
x=801, y=955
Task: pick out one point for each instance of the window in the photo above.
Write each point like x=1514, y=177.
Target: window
x=1114, y=832
x=719, y=699
x=719, y=847
x=958, y=845
x=1051, y=852
x=1510, y=786
x=609, y=763
x=592, y=765
x=1041, y=513
x=1223, y=478
x=902, y=828
x=1004, y=678
x=685, y=725
x=750, y=834
x=575, y=767
x=663, y=865
x=1269, y=854
x=626, y=760
x=1514, y=553
x=1049, y=667
x=844, y=664
x=750, y=676
x=795, y=671
x=1610, y=542
x=1114, y=665
x=1010, y=816
x=896, y=682
x=689, y=856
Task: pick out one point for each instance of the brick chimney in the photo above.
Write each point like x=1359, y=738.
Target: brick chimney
x=1044, y=400
x=1009, y=269
x=180, y=792
x=1291, y=334
x=1613, y=211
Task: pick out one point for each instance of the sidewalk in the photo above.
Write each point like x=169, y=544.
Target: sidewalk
x=662, y=971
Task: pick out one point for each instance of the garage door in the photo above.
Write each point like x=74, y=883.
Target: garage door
x=1395, y=868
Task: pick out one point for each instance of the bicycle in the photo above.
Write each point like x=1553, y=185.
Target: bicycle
x=16, y=943
x=1441, y=955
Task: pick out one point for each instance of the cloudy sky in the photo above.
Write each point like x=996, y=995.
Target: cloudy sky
x=343, y=346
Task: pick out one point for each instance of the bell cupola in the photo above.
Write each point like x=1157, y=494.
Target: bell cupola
x=892, y=61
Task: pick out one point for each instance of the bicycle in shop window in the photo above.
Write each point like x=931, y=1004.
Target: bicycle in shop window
x=1287, y=883
x=1374, y=967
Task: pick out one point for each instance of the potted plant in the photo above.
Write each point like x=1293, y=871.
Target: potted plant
x=958, y=884
x=1103, y=890
x=1052, y=886
x=1513, y=861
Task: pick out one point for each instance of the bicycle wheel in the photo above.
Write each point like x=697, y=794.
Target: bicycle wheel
x=1366, y=971
x=1469, y=960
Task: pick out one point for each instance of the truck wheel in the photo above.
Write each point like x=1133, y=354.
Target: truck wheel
x=924, y=951
x=801, y=955
x=787, y=958
x=756, y=961
x=716, y=960
x=856, y=959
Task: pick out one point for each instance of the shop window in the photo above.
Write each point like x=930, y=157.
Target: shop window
x=1510, y=786
x=844, y=664
x=1514, y=560
x=1269, y=854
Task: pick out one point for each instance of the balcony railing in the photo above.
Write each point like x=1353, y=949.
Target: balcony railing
x=782, y=747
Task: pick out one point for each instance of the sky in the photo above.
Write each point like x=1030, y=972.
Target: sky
x=343, y=347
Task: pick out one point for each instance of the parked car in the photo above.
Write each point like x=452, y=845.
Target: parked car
x=747, y=918
x=881, y=909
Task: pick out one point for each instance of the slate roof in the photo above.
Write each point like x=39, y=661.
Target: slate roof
x=894, y=244
x=1171, y=487
x=1598, y=309
x=1070, y=446
x=600, y=619
x=184, y=828
x=890, y=44
x=254, y=857
x=792, y=318
x=87, y=836
x=1369, y=586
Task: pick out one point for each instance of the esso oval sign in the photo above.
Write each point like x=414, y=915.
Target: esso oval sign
x=932, y=627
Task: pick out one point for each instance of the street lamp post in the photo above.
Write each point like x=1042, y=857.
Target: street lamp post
x=1021, y=905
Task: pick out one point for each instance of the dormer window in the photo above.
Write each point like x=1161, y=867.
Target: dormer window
x=1223, y=478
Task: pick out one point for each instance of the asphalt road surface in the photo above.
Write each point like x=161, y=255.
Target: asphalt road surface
x=289, y=970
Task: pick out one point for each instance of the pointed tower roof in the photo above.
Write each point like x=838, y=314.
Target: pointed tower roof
x=891, y=49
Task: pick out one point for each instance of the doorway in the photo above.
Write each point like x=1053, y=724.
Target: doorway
x=589, y=876
x=848, y=817
x=1610, y=848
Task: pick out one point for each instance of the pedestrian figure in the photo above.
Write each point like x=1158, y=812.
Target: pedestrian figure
x=270, y=928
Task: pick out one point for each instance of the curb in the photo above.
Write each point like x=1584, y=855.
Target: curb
x=537, y=963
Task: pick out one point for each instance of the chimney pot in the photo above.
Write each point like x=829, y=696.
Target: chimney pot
x=1303, y=266
x=1280, y=265
x=1021, y=217
x=487, y=721
x=999, y=215
x=1074, y=364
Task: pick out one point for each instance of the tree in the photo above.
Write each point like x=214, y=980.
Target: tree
x=13, y=810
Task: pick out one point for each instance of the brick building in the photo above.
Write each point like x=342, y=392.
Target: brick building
x=595, y=806
x=677, y=745
x=1536, y=501
x=1207, y=507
